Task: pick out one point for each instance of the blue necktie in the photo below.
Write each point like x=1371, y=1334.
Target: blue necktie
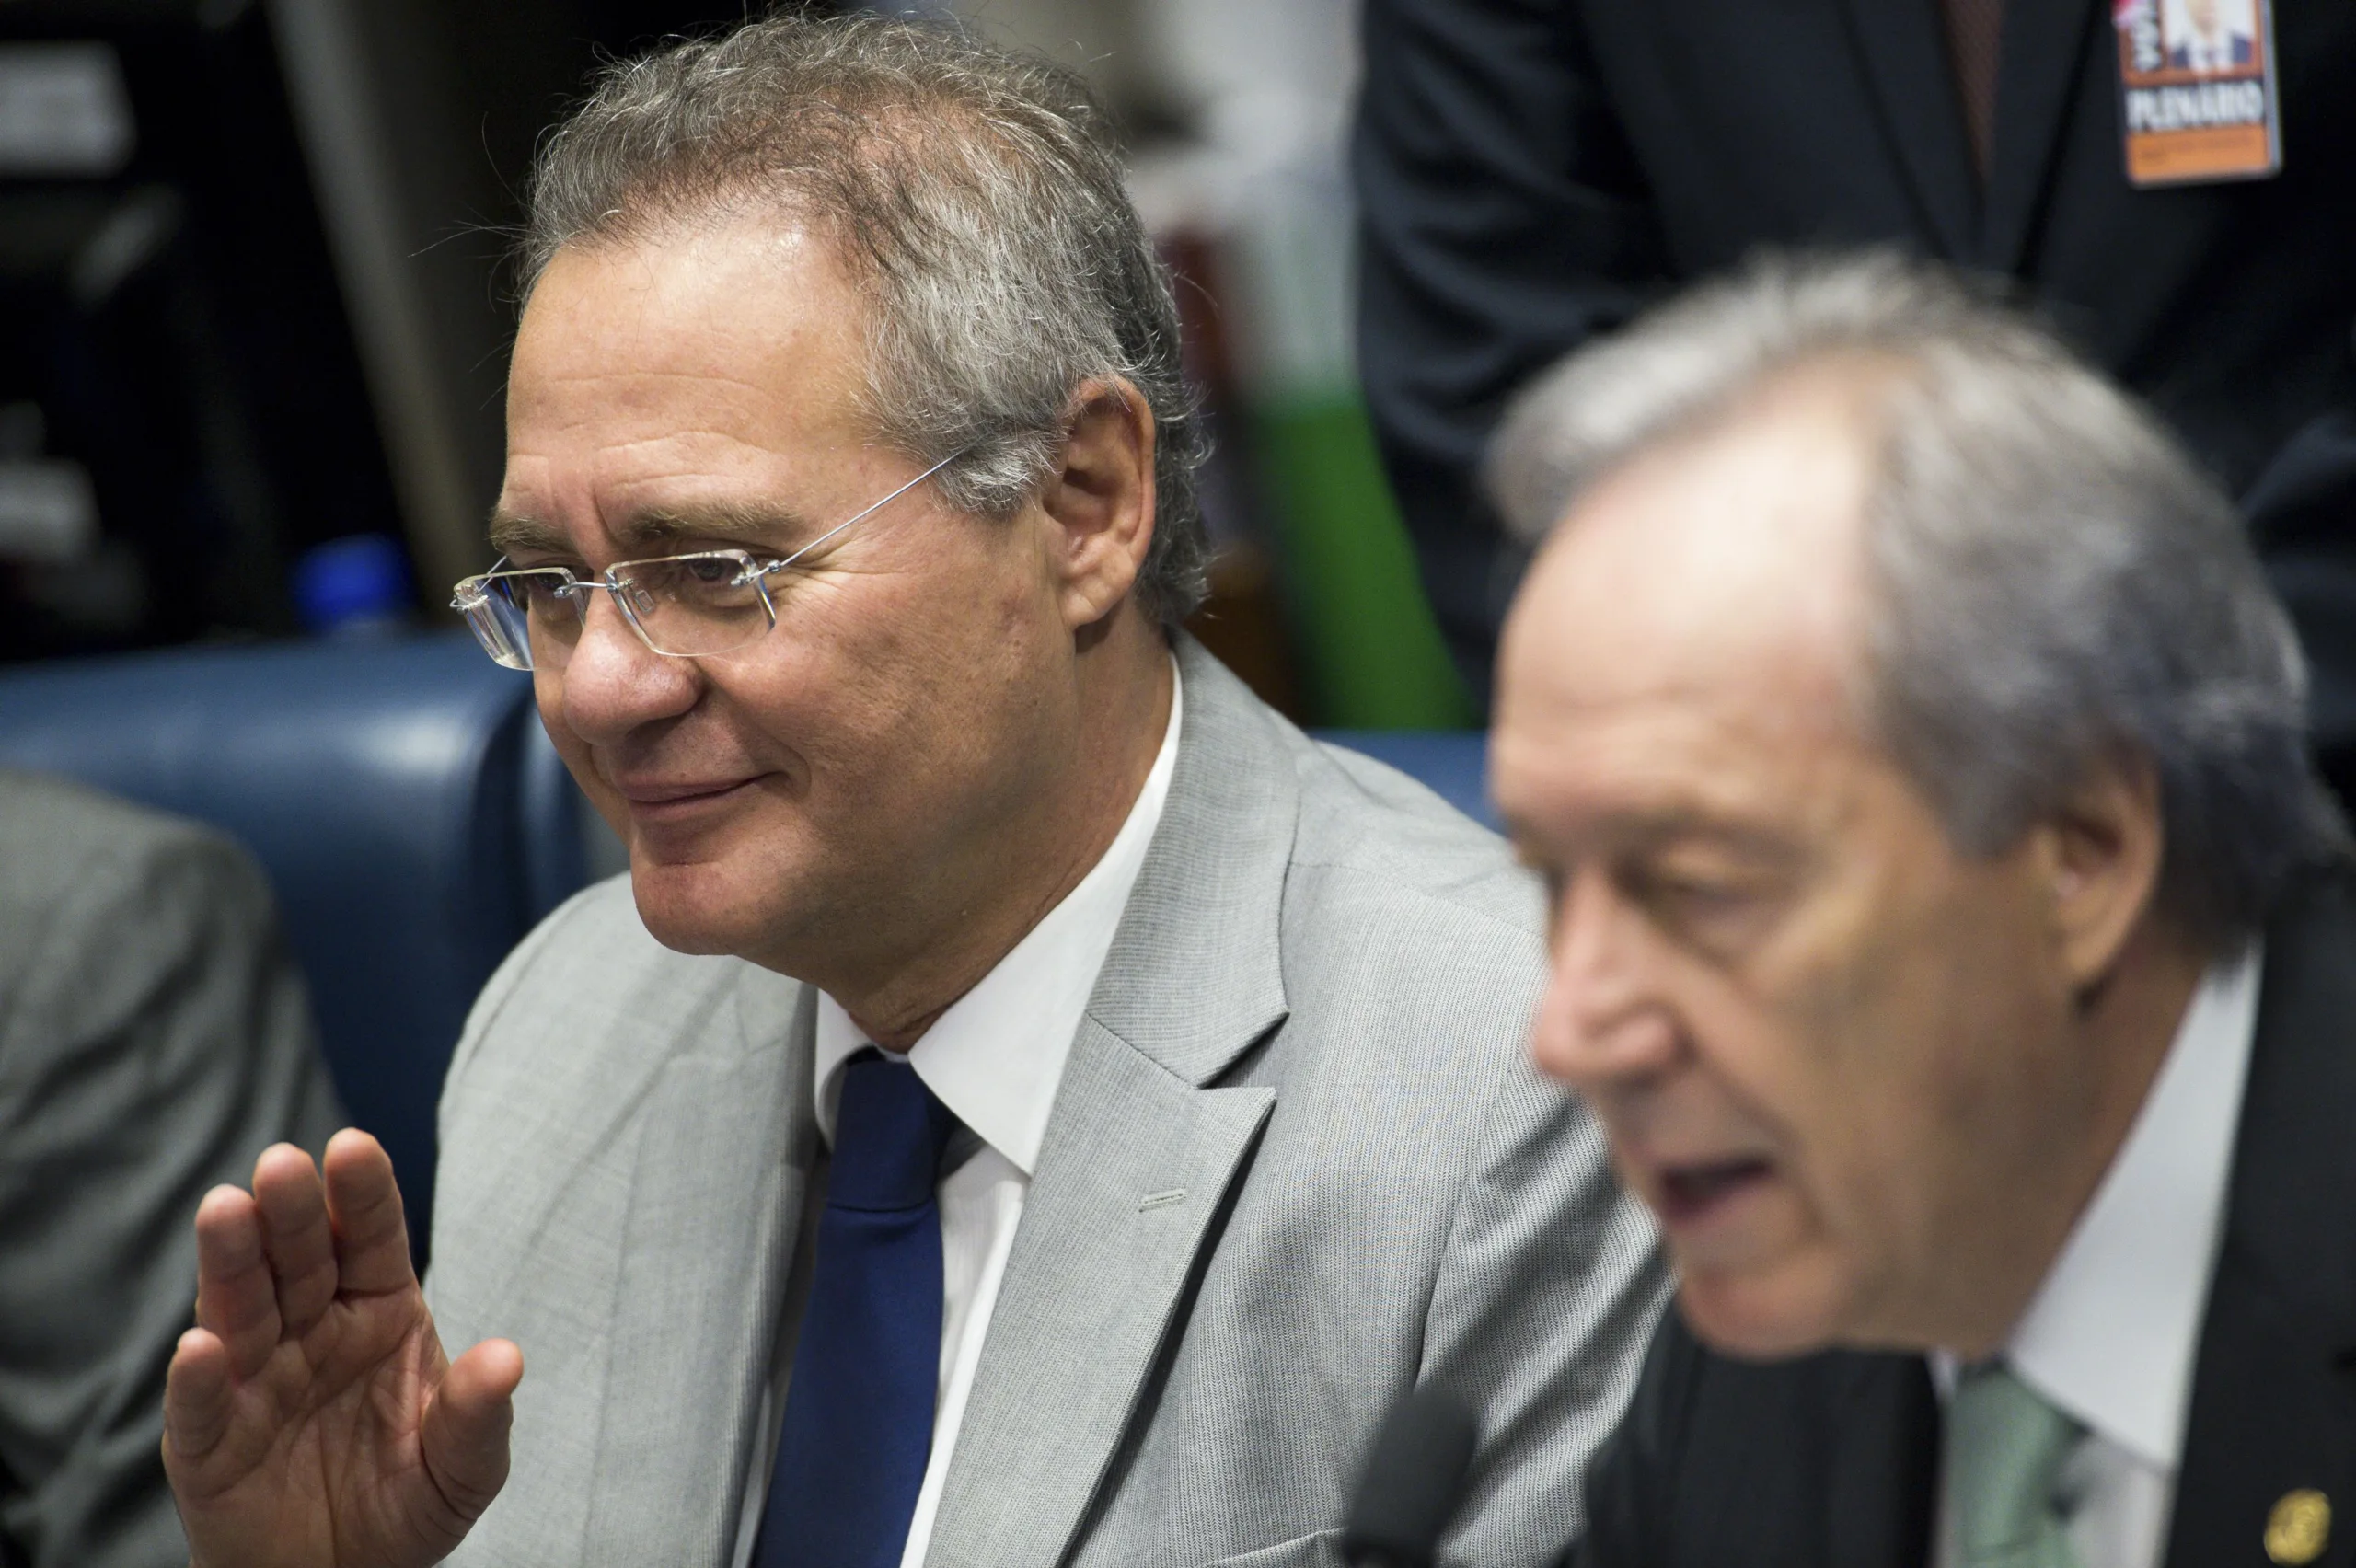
x=858, y=1413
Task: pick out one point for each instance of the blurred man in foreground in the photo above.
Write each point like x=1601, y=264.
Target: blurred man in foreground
x=1950, y=936
x=154, y=1039
x=847, y=520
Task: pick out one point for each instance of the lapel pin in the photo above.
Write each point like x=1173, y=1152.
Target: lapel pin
x=2299, y=1528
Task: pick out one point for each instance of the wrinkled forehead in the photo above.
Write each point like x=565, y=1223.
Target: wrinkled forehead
x=1687, y=641
x=1731, y=561
x=752, y=298
x=715, y=367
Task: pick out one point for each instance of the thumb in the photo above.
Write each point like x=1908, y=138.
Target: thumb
x=464, y=1437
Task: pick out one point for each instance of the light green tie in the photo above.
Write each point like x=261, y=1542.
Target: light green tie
x=2004, y=1446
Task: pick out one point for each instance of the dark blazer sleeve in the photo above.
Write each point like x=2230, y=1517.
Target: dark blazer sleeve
x=1502, y=221
x=154, y=1039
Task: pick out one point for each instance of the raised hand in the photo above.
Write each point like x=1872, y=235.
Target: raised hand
x=311, y=1418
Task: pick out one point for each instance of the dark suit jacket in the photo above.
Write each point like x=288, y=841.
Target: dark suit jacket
x=1832, y=1461
x=1532, y=172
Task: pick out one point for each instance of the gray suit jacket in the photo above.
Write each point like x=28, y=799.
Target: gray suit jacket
x=154, y=1039
x=1297, y=1164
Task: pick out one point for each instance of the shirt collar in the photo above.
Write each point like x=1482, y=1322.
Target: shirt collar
x=2111, y=1334
x=995, y=1057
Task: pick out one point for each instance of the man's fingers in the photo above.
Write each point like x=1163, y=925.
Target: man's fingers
x=197, y=1392
x=296, y=1236
x=365, y=1203
x=237, y=1298
x=465, y=1437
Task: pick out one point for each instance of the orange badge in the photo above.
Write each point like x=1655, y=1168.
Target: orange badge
x=2197, y=90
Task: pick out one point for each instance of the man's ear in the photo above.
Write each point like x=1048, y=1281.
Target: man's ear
x=1099, y=504
x=2103, y=854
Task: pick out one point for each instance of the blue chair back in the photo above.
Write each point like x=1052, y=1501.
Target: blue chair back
x=1453, y=764
x=403, y=795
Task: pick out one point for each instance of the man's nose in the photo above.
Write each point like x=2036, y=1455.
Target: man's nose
x=1603, y=1021
x=612, y=682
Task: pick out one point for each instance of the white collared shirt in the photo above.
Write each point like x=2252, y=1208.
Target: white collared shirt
x=994, y=1058
x=2112, y=1334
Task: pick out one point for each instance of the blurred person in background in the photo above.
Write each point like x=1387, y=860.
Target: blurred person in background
x=1950, y=935
x=1028, y=1103
x=1530, y=173
x=154, y=1040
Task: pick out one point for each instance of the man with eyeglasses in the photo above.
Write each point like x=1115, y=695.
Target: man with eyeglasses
x=1028, y=1104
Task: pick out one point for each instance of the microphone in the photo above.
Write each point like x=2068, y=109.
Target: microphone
x=1411, y=1482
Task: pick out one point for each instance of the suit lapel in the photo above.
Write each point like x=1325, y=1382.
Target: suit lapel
x=2273, y=1414
x=1906, y=64
x=1136, y=1167
x=1142, y=1153
x=724, y=1144
x=2043, y=51
x=1196, y=973
x=2274, y=1389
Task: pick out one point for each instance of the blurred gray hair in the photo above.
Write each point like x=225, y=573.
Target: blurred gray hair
x=2052, y=577
x=976, y=198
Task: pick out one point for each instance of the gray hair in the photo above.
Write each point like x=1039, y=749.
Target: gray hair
x=975, y=195
x=2052, y=578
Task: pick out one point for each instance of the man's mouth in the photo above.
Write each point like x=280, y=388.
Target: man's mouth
x=663, y=794
x=1691, y=1193
x=649, y=800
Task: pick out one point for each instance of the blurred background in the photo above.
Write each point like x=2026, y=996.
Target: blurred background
x=254, y=320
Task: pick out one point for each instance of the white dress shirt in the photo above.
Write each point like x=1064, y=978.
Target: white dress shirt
x=2111, y=1335
x=994, y=1058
